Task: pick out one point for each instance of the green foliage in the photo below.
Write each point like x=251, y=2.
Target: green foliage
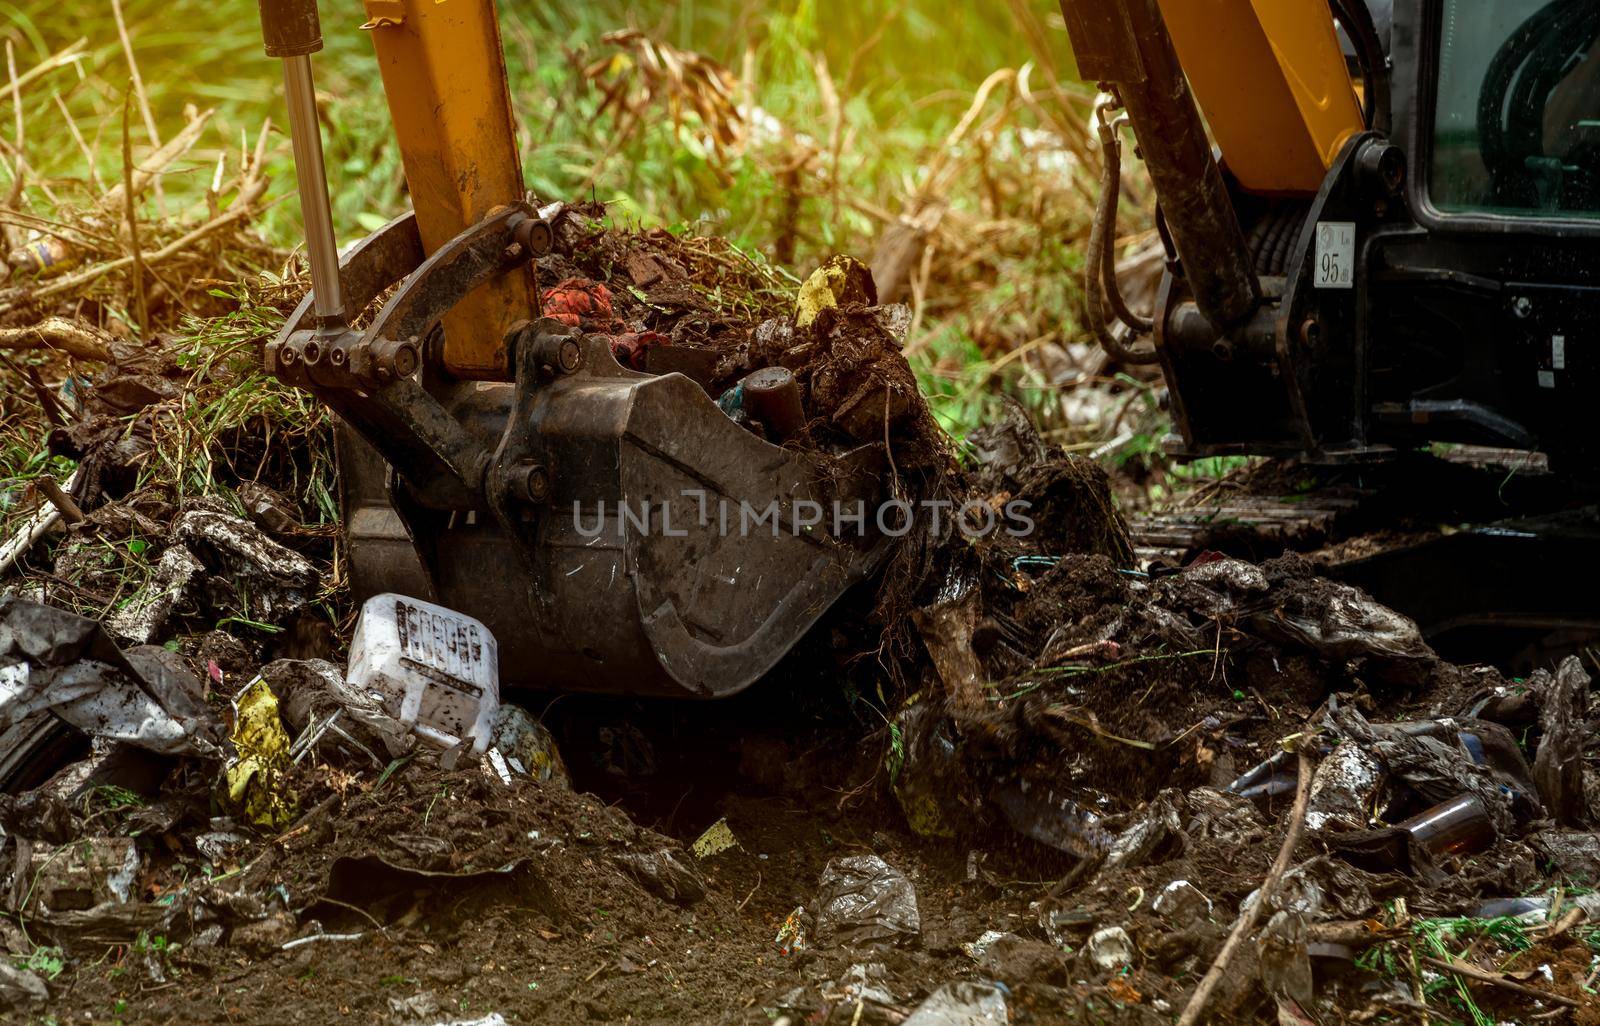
x=47, y=962
x=802, y=186
x=904, y=74
x=113, y=797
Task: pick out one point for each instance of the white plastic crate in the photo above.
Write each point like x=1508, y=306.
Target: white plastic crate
x=434, y=669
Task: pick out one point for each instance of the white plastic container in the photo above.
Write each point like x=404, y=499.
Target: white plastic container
x=434, y=670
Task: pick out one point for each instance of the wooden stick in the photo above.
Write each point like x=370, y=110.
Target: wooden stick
x=70, y=511
x=138, y=85
x=141, y=302
x=21, y=128
x=1472, y=972
x=61, y=58
x=31, y=531
x=1269, y=886
x=77, y=137
x=68, y=336
x=155, y=163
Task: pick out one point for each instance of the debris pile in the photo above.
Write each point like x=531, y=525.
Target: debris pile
x=1148, y=727
x=700, y=307
x=1066, y=787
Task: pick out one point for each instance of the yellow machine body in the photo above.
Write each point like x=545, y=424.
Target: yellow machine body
x=444, y=75
x=1271, y=80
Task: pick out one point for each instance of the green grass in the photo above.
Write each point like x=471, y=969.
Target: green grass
x=1449, y=997
x=904, y=74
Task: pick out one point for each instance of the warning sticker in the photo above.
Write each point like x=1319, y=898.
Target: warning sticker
x=1336, y=255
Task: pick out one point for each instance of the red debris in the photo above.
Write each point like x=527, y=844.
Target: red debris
x=586, y=305
x=583, y=304
x=630, y=349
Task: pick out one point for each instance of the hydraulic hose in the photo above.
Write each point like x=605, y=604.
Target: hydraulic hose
x=1356, y=18
x=1100, y=270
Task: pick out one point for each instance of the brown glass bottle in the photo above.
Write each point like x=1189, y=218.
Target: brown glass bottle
x=1460, y=826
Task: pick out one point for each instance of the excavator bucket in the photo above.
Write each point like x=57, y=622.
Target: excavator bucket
x=615, y=530
x=643, y=542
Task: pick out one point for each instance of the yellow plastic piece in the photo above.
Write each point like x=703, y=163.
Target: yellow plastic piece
x=255, y=779
x=717, y=839
x=839, y=280
x=1272, y=83
x=444, y=74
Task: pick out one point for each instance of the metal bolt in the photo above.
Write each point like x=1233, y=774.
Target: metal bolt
x=536, y=235
x=405, y=359
x=560, y=353
x=1522, y=306
x=529, y=481
x=568, y=355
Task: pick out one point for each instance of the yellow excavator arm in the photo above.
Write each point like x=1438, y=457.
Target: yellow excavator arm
x=1271, y=81
x=444, y=74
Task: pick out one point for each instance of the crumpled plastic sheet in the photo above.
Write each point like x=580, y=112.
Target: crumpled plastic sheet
x=839, y=281
x=1435, y=770
x=1343, y=789
x=326, y=712
x=865, y=902
x=177, y=574
x=1286, y=966
x=1159, y=825
x=1034, y=810
x=56, y=660
x=1222, y=816
x=1336, y=621
x=281, y=580
x=865, y=982
x=946, y=630
x=82, y=873
x=1573, y=854
x=1346, y=624
x=664, y=874
x=528, y=745
x=1558, y=765
x=961, y=1004
x=927, y=774
x=1323, y=887
x=209, y=543
x=20, y=987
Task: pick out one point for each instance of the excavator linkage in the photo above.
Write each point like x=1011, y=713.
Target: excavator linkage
x=615, y=530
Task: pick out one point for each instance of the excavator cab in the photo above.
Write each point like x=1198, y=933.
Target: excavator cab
x=1517, y=111
x=1380, y=219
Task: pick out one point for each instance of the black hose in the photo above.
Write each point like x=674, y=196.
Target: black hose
x=1108, y=266
x=1100, y=272
x=1356, y=18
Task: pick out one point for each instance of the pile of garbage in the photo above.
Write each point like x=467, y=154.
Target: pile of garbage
x=1061, y=787
x=700, y=307
x=1167, y=731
